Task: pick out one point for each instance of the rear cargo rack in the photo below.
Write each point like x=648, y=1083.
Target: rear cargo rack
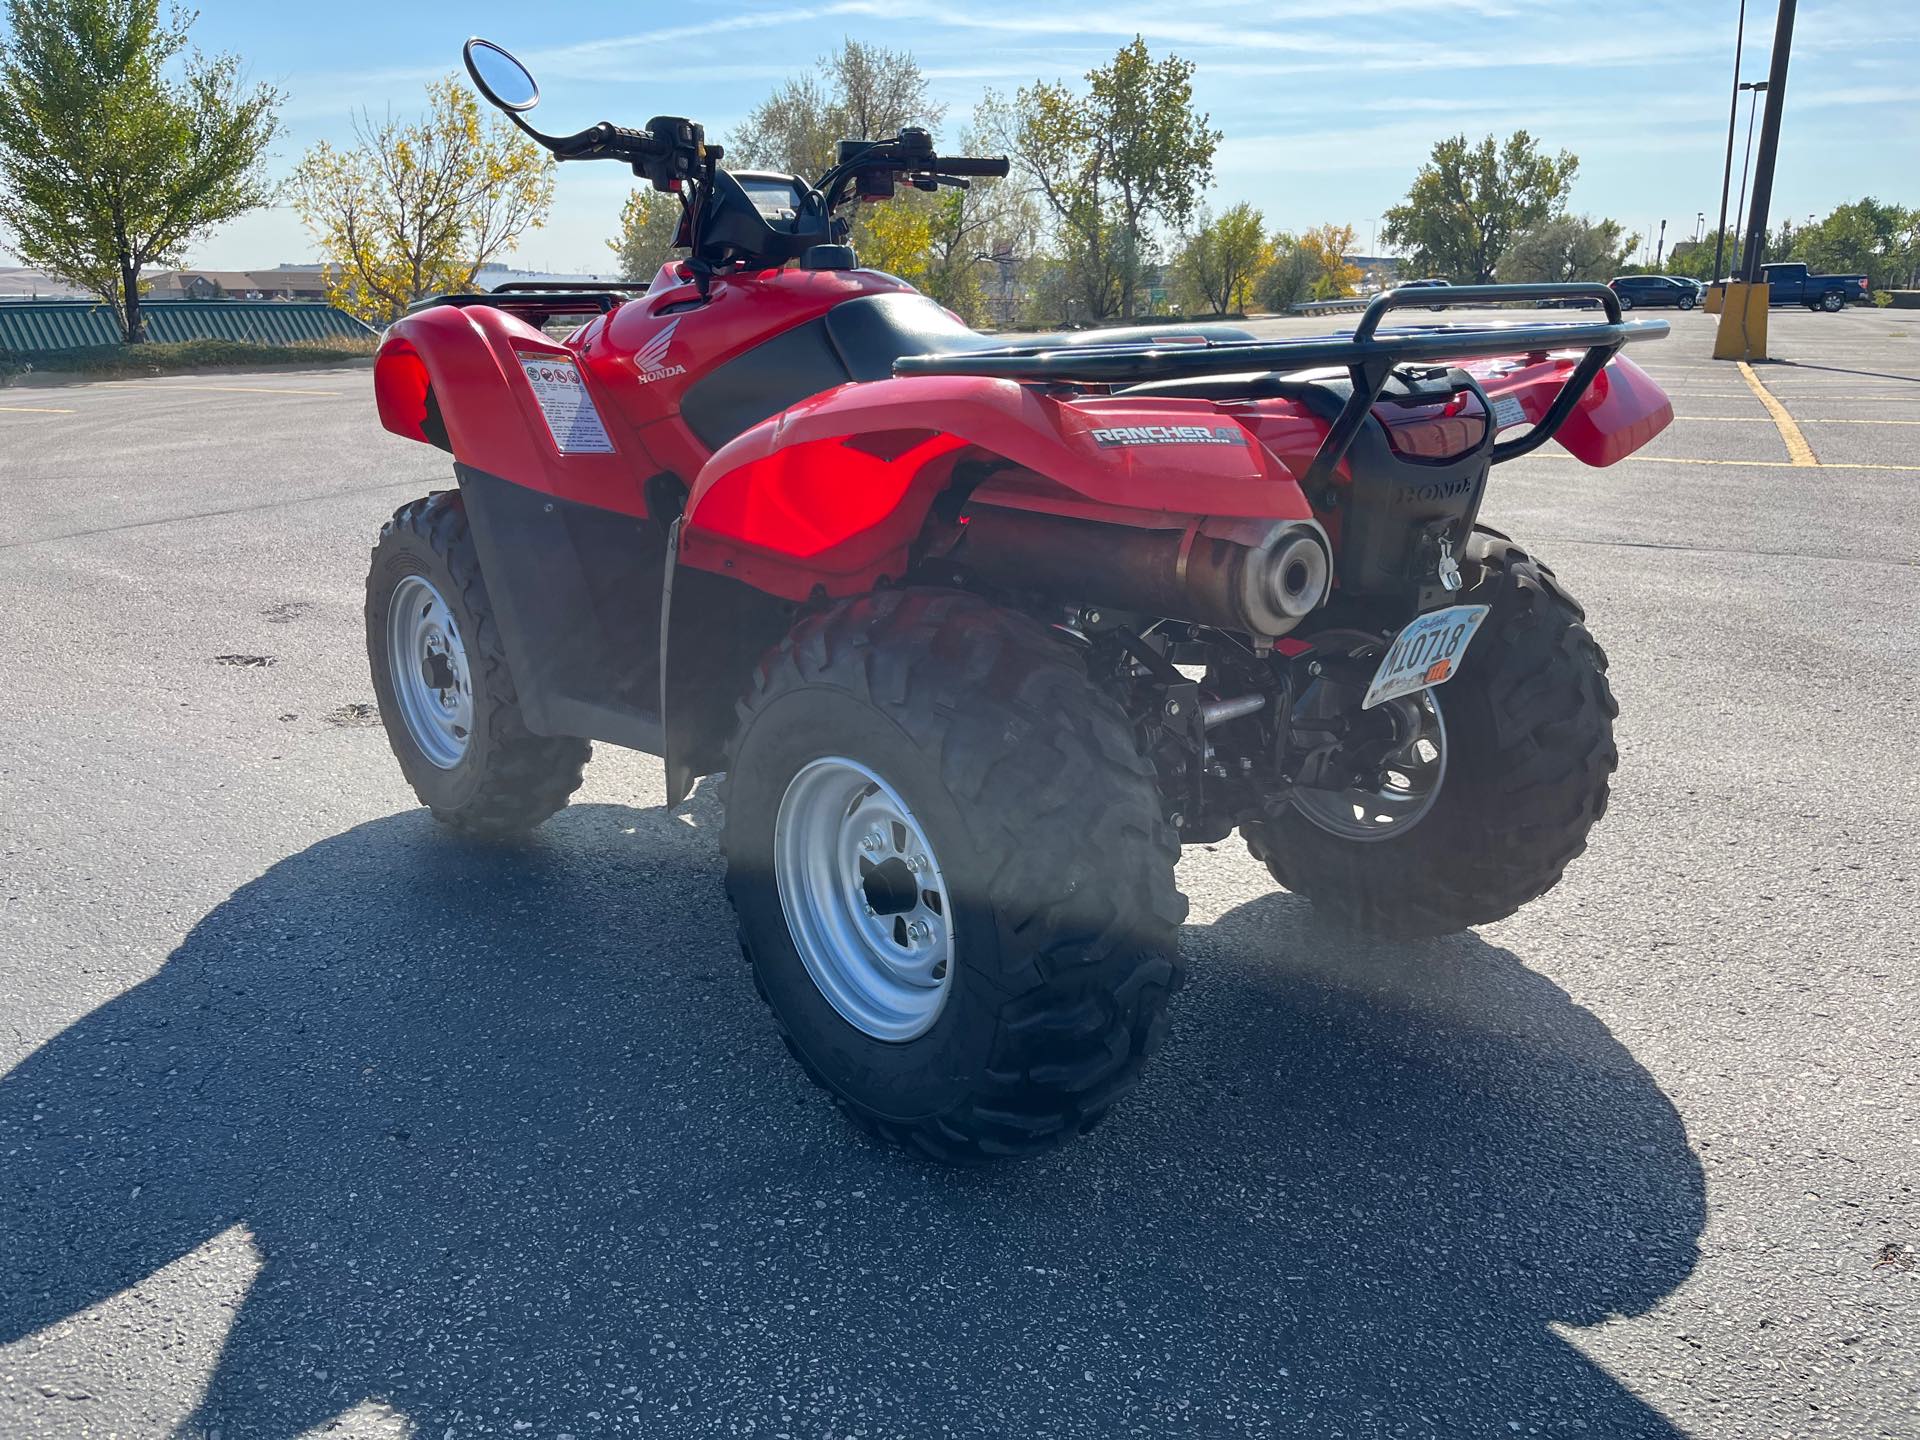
x=547, y=297
x=1369, y=354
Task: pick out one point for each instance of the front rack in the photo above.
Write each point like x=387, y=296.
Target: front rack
x=1369, y=355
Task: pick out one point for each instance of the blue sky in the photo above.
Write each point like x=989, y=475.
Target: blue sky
x=1328, y=106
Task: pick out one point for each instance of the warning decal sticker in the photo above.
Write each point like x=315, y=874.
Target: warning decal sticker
x=569, y=410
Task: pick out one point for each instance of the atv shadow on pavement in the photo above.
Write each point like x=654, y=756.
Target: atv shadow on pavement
x=516, y=1147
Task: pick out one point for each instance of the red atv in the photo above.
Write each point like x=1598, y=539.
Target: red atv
x=980, y=633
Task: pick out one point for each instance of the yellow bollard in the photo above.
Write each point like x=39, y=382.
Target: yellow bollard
x=1716, y=297
x=1743, y=324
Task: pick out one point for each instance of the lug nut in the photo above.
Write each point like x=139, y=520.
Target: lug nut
x=870, y=842
x=918, y=932
x=1173, y=707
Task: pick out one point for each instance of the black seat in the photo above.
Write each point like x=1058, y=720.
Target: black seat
x=872, y=332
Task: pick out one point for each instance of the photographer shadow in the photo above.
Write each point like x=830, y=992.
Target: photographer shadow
x=513, y=1144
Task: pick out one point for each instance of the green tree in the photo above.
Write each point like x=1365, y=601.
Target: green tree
x=1219, y=262
x=1289, y=276
x=1568, y=247
x=860, y=92
x=1469, y=202
x=1694, y=258
x=1862, y=237
x=648, y=222
x=111, y=157
x=1107, y=165
x=417, y=207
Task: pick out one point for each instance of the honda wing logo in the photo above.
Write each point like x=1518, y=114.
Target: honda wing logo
x=652, y=357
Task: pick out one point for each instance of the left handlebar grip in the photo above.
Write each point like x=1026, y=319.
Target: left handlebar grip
x=991, y=167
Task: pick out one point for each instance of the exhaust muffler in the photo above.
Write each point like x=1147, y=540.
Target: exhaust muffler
x=1260, y=576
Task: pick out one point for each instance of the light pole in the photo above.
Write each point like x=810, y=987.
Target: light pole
x=1661, y=248
x=1746, y=163
x=1699, y=226
x=1733, y=115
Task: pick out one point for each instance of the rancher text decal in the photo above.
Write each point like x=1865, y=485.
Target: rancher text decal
x=1171, y=435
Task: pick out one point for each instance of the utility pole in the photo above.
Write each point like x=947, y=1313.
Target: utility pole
x=1661, y=248
x=1733, y=116
x=1769, y=140
x=1743, y=317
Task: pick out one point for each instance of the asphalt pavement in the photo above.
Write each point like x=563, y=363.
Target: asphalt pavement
x=316, y=1120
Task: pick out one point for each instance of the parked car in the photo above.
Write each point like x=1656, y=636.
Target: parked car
x=1788, y=283
x=1651, y=290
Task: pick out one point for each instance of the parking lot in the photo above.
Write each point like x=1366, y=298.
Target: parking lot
x=312, y=1116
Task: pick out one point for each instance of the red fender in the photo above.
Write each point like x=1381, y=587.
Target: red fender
x=1622, y=410
x=470, y=357
x=832, y=491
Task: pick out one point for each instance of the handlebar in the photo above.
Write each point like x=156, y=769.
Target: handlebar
x=993, y=167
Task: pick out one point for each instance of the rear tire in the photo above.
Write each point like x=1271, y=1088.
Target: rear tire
x=1042, y=826
x=1530, y=737
x=473, y=761
x=1833, y=302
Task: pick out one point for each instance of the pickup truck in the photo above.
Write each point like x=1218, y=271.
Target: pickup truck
x=1790, y=284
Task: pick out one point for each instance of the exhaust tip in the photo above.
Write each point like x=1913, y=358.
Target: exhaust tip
x=1287, y=577
x=1298, y=575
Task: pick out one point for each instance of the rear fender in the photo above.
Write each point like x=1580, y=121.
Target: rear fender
x=1622, y=410
x=830, y=494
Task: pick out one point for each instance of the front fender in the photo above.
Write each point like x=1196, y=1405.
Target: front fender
x=831, y=492
x=452, y=376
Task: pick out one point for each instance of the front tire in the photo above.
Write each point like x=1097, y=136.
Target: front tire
x=446, y=695
x=1529, y=727
x=1686, y=302
x=953, y=880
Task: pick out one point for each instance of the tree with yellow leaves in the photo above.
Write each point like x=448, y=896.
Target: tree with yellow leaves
x=1325, y=248
x=649, y=221
x=416, y=208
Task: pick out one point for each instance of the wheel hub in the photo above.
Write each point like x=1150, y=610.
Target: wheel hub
x=865, y=901
x=432, y=683
x=1385, y=771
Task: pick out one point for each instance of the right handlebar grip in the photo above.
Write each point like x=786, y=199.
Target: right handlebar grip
x=957, y=165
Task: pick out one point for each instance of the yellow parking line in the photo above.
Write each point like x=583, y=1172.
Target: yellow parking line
x=1798, y=450
x=33, y=410
x=219, y=389
x=1804, y=420
x=1761, y=464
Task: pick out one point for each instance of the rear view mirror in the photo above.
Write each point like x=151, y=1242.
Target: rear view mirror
x=500, y=77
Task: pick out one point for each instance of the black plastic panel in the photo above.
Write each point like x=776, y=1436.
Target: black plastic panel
x=576, y=591
x=762, y=382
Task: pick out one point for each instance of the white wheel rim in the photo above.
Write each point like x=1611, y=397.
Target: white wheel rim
x=432, y=683
x=864, y=898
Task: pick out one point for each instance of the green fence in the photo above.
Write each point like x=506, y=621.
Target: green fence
x=30, y=325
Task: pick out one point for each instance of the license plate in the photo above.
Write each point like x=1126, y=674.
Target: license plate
x=1426, y=653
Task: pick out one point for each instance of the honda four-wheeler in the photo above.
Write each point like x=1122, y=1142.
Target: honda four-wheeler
x=980, y=631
